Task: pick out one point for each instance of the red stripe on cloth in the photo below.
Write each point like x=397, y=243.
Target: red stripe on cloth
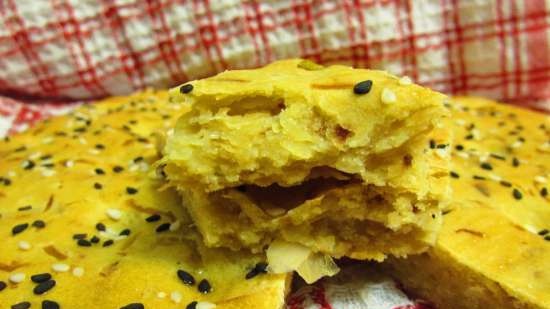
x=164, y=41
x=347, y=10
x=516, y=49
x=25, y=46
x=318, y=296
x=502, y=39
x=449, y=46
x=262, y=30
x=538, y=47
x=460, y=45
x=411, y=40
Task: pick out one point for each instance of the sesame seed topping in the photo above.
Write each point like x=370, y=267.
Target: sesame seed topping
x=432, y=144
x=100, y=227
x=499, y=157
x=131, y=190
x=185, y=277
x=114, y=214
x=175, y=226
x=544, y=192
x=80, y=236
x=547, y=237
x=94, y=239
x=21, y=305
x=517, y=194
x=39, y=224
x=49, y=304
x=388, y=96
x=19, y=228
x=486, y=166
x=176, y=297
x=39, y=278
x=259, y=268
x=24, y=245
x=186, y=88
x=44, y=287
x=99, y=171
x=477, y=177
x=515, y=162
x=78, y=271
x=505, y=183
x=540, y=179
x=25, y=208
x=454, y=174
x=363, y=87
x=60, y=267
x=118, y=169
x=84, y=243
x=28, y=165
x=17, y=277
x=204, y=287
x=125, y=232
x=99, y=146
x=405, y=81
x=163, y=227
x=543, y=232
x=108, y=243
x=3, y=285
x=191, y=305
x=161, y=295
x=153, y=218
x=98, y=186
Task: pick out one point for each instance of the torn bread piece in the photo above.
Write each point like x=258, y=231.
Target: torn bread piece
x=343, y=161
x=494, y=245
x=84, y=226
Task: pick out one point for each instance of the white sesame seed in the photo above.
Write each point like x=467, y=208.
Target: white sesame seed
x=82, y=141
x=35, y=155
x=176, y=297
x=388, y=96
x=48, y=172
x=516, y=144
x=24, y=245
x=541, y=179
x=26, y=164
x=175, y=226
x=494, y=177
x=441, y=152
x=69, y=163
x=133, y=167
x=114, y=214
x=11, y=174
x=405, y=81
x=93, y=151
x=78, y=271
x=161, y=295
x=47, y=140
x=544, y=147
x=205, y=305
x=17, y=277
x=460, y=122
x=60, y=267
x=463, y=155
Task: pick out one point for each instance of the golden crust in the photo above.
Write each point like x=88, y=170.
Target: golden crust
x=289, y=151
x=494, y=244
x=72, y=185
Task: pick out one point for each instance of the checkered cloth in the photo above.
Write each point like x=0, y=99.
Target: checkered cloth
x=85, y=49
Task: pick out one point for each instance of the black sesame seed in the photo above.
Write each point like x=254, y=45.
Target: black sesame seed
x=191, y=305
x=363, y=87
x=45, y=157
x=108, y=243
x=515, y=162
x=133, y=306
x=259, y=268
x=441, y=146
x=84, y=243
x=21, y=305
x=19, y=228
x=80, y=130
x=43, y=287
x=7, y=182
x=486, y=166
x=80, y=236
x=39, y=224
x=3, y=285
x=505, y=183
x=521, y=139
x=24, y=208
x=98, y=186
x=142, y=140
x=100, y=227
x=138, y=159
x=186, y=277
x=204, y=287
x=543, y=232
x=469, y=136
x=94, y=239
x=22, y=148
x=471, y=126
x=29, y=164
x=100, y=146
x=163, y=227
x=432, y=144
x=118, y=169
x=459, y=147
x=547, y=237
x=517, y=194
x=124, y=232
x=479, y=177
x=153, y=218
x=48, y=165
x=496, y=156
x=454, y=175
x=186, y=88
x=39, y=278
x=99, y=171
x=544, y=192
x=131, y=190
